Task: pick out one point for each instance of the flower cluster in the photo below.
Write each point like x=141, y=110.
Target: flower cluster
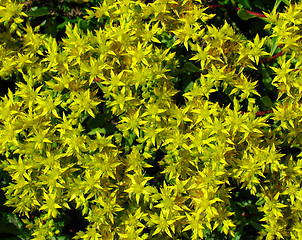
x=85, y=125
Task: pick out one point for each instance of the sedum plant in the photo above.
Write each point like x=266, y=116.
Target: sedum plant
x=96, y=124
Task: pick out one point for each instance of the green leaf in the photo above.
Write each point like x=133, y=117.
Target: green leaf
x=245, y=4
x=277, y=3
x=99, y=130
x=191, y=67
x=267, y=101
x=274, y=45
x=10, y=224
x=259, y=4
x=109, y=128
x=129, y=141
x=38, y=12
x=166, y=39
x=286, y=2
x=83, y=24
x=244, y=15
x=258, y=226
x=99, y=121
x=102, y=123
x=189, y=86
x=51, y=27
x=62, y=238
x=266, y=78
x=224, y=2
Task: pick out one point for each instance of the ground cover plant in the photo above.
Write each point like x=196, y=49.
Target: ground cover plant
x=151, y=120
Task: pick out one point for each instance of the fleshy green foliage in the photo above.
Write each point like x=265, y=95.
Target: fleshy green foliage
x=52, y=16
x=96, y=124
